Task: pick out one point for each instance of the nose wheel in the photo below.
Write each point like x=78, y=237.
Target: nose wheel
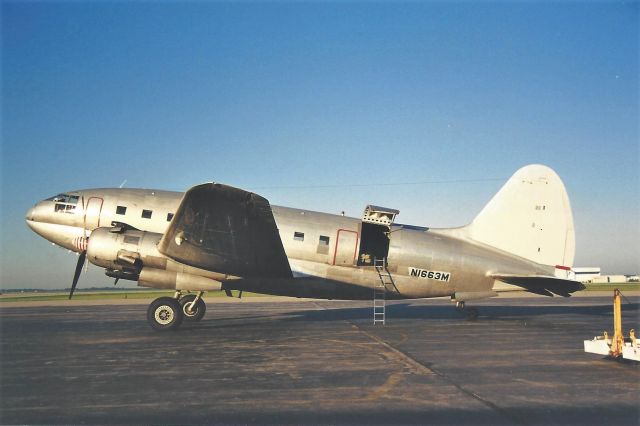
x=165, y=313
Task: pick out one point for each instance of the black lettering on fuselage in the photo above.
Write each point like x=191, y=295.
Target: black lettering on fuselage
x=430, y=275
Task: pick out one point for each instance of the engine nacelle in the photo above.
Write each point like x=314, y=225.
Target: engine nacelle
x=127, y=250
x=156, y=278
x=133, y=255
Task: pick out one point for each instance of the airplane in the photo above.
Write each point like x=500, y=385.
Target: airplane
x=216, y=237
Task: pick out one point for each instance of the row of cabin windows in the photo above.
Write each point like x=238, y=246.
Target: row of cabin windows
x=299, y=236
x=146, y=214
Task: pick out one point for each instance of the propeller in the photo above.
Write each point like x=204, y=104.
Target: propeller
x=84, y=230
x=83, y=253
x=76, y=276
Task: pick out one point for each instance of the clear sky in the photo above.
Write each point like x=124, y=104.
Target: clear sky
x=281, y=97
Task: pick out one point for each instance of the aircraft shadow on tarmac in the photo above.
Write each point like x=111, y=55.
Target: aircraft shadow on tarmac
x=395, y=311
x=439, y=312
x=412, y=311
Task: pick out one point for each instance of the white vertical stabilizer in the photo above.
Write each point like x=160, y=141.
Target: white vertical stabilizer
x=530, y=217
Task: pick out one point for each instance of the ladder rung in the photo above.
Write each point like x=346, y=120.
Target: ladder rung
x=380, y=289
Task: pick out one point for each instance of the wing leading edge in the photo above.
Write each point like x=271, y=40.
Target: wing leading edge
x=227, y=230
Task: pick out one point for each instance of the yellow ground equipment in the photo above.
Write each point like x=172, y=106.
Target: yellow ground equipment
x=616, y=346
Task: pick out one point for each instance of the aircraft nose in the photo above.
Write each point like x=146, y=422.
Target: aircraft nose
x=30, y=213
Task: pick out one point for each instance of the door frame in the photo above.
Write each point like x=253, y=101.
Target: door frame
x=355, y=248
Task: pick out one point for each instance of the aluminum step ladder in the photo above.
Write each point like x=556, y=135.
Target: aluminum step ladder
x=380, y=290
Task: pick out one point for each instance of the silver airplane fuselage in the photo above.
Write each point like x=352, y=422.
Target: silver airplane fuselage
x=325, y=251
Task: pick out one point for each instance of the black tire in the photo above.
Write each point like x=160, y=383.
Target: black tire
x=164, y=313
x=197, y=313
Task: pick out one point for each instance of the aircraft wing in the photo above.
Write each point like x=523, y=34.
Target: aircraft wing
x=227, y=230
x=541, y=284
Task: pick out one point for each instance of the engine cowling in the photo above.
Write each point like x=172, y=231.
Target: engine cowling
x=113, y=249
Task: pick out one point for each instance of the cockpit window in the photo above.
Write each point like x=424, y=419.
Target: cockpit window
x=65, y=203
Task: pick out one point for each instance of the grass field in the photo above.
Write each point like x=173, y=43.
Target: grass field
x=611, y=286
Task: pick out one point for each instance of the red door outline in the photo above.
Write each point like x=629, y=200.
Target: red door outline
x=355, y=248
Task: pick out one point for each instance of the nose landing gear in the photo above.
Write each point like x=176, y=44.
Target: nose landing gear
x=167, y=313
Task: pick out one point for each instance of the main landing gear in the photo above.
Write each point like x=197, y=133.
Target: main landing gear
x=167, y=313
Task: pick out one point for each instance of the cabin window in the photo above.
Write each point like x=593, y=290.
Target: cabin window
x=169, y=217
x=146, y=214
x=298, y=236
x=121, y=210
x=323, y=245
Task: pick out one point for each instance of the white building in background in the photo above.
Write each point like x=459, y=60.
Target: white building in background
x=610, y=279
x=587, y=274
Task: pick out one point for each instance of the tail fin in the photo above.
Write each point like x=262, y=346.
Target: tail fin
x=530, y=217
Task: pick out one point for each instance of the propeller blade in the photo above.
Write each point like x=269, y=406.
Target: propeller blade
x=76, y=276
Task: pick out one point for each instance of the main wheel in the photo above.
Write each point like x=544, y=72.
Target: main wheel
x=197, y=312
x=164, y=313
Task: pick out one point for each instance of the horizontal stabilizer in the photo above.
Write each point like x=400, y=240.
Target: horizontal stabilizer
x=541, y=284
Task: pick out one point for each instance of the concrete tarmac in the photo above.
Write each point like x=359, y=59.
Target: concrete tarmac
x=521, y=362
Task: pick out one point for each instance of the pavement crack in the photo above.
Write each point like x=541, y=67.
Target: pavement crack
x=428, y=369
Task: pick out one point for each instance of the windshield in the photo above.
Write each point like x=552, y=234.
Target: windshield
x=65, y=203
